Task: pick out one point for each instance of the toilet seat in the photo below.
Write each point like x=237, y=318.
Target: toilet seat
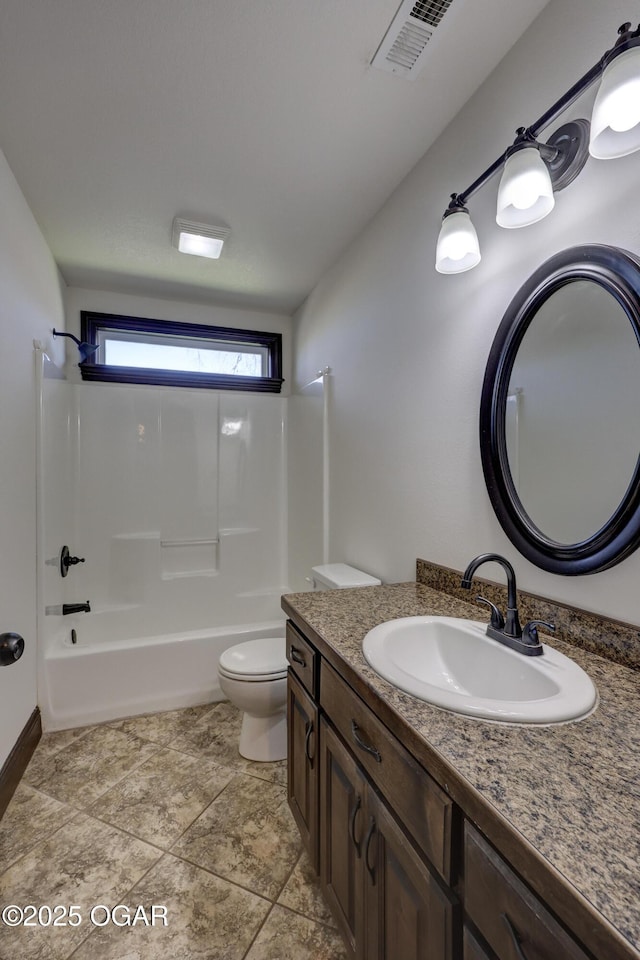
x=255, y=660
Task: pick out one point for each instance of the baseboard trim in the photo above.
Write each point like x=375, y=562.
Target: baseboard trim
x=16, y=763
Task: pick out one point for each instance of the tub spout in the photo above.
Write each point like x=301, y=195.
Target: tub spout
x=75, y=608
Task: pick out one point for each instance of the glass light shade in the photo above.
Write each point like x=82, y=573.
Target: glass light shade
x=458, y=248
x=200, y=246
x=525, y=194
x=615, y=122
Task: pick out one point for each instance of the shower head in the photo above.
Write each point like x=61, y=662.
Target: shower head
x=85, y=349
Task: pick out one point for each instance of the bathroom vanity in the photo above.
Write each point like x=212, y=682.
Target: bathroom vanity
x=443, y=837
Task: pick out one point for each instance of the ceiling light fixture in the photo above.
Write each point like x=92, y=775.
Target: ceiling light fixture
x=199, y=239
x=532, y=172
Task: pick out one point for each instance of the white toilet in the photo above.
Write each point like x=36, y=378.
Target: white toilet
x=253, y=675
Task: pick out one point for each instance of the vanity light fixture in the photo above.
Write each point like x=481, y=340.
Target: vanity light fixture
x=199, y=239
x=458, y=247
x=533, y=171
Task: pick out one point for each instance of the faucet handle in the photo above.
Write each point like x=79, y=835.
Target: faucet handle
x=530, y=631
x=497, y=620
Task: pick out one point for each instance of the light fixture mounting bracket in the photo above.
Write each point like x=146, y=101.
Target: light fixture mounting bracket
x=571, y=140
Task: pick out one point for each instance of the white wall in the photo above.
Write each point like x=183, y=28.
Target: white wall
x=103, y=301
x=30, y=306
x=408, y=347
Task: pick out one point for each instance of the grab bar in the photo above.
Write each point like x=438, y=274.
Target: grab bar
x=188, y=543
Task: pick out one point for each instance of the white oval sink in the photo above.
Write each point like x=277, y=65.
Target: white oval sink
x=453, y=664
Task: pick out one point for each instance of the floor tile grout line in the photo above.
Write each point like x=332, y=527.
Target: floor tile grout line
x=286, y=906
x=219, y=876
x=153, y=843
x=42, y=840
x=257, y=933
x=305, y=916
x=121, y=899
x=197, y=754
x=85, y=809
x=225, y=764
x=41, y=786
x=53, y=733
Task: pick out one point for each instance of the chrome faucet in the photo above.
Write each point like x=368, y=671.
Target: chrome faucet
x=507, y=630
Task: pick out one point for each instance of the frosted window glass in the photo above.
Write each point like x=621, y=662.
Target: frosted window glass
x=159, y=356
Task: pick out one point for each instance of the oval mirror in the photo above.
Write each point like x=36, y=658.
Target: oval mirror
x=560, y=412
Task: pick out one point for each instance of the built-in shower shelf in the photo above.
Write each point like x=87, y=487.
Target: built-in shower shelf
x=189, y=558
x=238, y=531
x=184, y=574
x=144, y=535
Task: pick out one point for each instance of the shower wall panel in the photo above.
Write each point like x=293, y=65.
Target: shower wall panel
x=179, y=508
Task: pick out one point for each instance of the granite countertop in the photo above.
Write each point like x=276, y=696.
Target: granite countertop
x=570, y=791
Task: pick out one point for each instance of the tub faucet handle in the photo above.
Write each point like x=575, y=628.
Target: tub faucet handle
x=66, y=561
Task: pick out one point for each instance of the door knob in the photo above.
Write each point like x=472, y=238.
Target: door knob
x=11, y=648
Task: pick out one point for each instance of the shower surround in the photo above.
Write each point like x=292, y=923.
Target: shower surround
x=176, y=500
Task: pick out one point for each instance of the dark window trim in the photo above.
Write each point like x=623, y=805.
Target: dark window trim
x=92, y=323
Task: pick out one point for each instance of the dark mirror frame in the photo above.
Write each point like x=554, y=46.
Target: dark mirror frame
x=618, y=271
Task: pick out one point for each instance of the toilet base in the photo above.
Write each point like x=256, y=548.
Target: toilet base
x=264, y=738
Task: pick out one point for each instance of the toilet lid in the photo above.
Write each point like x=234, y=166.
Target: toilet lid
x=262, y=659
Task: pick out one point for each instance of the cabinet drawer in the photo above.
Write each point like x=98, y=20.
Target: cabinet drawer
x=418, y=801
x=303, y=659
x=508, y=915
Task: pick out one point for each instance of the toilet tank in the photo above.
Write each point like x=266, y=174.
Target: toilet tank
x=337, y=576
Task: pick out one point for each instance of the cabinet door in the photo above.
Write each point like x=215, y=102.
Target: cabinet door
x=342, y=829
x=510, y=917
x=409, y=914
x=302, y=766
x=472, y=949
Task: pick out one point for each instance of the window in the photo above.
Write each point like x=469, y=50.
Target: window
x=137, y=350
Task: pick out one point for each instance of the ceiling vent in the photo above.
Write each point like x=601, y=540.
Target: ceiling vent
x=405, y=44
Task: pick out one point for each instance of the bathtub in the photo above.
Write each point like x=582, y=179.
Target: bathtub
x=98, y=680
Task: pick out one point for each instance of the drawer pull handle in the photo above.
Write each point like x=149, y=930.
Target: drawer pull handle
x=307, y=738
x=352, y=825
x=361, y=743
x=515, y=937
x=367, y=843
x=297, y=657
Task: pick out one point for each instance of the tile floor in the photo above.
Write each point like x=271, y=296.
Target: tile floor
x=159, y=810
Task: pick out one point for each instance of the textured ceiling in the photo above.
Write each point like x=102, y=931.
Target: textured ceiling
x=118, y=115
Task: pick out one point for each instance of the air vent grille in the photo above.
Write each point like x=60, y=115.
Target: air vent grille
x=430, y=11
x=408, y=46
x=405, y=43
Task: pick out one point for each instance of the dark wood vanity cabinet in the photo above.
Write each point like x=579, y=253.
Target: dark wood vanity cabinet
x=302, y=767
x=387, y=900
x=377, y=828
x=405, y=875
